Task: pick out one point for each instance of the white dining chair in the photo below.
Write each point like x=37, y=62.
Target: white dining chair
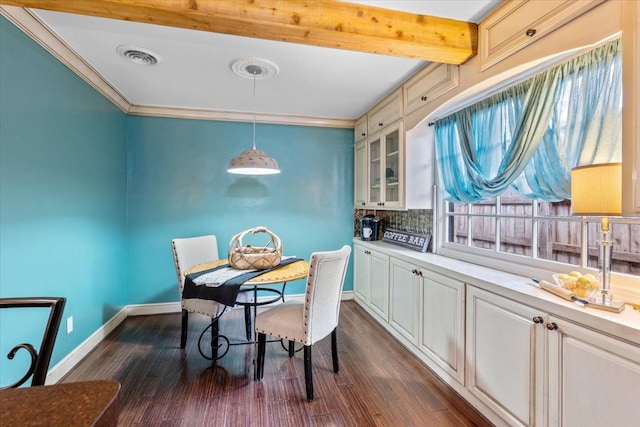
x=311, y=320
x=187, y=253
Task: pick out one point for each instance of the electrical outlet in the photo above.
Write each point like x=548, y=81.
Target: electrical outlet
x=69, y=324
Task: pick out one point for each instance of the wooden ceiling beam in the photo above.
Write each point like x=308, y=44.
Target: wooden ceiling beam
x=324, y=23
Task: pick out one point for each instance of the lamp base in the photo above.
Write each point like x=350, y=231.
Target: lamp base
x=612, y=306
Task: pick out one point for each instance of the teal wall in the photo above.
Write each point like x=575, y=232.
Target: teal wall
x=179, y=187
x=91, y=198
x=62, y=197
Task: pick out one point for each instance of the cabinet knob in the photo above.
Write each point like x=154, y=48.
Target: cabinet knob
x=531, y=32
x=380, y=124
x=420, y=273
x=552, y=326
x=364, y=134
x=423, y=98
x=414, y=271
x=538, y=319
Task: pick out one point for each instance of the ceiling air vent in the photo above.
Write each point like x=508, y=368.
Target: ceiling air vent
x=138, y=55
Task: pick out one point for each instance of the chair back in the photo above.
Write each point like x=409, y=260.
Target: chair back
x=39, y=358
x=327, y=271
x=191, y=251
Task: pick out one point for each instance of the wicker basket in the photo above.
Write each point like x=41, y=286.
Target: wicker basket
x=252, y=257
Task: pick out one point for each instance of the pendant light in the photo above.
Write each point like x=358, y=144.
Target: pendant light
x=253, y=161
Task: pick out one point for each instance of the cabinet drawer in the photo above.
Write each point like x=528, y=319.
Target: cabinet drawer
x=360, y=130
x=433, y=81
x=518, y=23
x=388, y=111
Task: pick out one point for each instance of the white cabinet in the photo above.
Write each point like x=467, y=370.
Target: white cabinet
x=519, y=365
x=594, y=380
x=405, y=287
x=533, y=368
x=360, y=182
x=518, y=23
x=428, y=84
x=631, y=108
x=371, y=281
x=385, y=113
x=505, y=354
x=385, y=155
x=442, y=336
x=360, y=130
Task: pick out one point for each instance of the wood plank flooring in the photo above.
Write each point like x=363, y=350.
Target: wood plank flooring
x=380, y=383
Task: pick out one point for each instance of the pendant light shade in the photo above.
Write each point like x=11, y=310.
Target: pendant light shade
x=253, y=161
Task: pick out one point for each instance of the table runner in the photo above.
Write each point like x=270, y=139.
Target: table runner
x=226, y=292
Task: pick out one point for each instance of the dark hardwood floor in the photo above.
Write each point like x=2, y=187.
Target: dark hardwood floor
x=379, y=384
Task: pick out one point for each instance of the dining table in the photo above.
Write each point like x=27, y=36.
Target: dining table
x=75, y=404
x=271, y=282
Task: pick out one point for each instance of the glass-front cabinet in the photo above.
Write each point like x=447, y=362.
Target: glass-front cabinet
x=385, y=156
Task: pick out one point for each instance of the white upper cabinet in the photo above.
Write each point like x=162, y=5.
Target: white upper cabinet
x=631, y=108
x=518, y=23
x=360, y=131
x=428, y=84
x=386, y=112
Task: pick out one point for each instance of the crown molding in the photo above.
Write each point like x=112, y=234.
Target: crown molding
x=42, y=34
x=45, y=37
x=236, y=116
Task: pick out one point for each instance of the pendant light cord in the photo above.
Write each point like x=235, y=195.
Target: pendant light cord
x=254, y=111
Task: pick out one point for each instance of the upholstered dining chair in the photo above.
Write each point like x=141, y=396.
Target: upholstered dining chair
x=187, y=253
x=41, y=357
x=311, y=320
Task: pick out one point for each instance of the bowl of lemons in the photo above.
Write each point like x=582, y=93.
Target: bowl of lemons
x=583, y=285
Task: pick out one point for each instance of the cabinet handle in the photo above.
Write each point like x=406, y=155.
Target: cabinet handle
x=552, y=326
x=420, y=273
x=364, y=134
x=414, y=271
x=538, y=319
x=380, y=124
x=531, y=32
x=423, y=98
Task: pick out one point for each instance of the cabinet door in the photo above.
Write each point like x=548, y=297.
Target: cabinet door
x=375, y=164
x=434, y=80
x=518, y=23
x=631, y=108
x=379, y=279
x=505, y=353
x=442, y=340
x=594, y=380
x=361, y=277
x=393, y=167
x=405, y=287
x=360, y=129
x=385, y=113
x=360, y=175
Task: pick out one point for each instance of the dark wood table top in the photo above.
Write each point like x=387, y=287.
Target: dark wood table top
x=87, y=403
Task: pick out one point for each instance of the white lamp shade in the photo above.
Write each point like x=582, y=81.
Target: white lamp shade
x=597, y=189
x=253, y=162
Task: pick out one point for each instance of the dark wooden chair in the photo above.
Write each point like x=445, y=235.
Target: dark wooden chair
x=39, y=358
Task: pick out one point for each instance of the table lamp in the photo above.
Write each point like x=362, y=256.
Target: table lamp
x=596, y=190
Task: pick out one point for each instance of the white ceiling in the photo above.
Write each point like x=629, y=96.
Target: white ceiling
x=194, y=72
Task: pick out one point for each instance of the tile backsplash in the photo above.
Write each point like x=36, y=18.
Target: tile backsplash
x=416, y=220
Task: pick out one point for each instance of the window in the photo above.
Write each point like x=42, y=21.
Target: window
x=504, y=165
x=535, y=230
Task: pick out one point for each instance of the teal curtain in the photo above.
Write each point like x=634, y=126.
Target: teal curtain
x=529, y=136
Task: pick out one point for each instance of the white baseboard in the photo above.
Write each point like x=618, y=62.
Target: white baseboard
x=147, y=309
x=64, y=366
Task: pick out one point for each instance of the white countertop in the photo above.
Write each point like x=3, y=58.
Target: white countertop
x=624, y=325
